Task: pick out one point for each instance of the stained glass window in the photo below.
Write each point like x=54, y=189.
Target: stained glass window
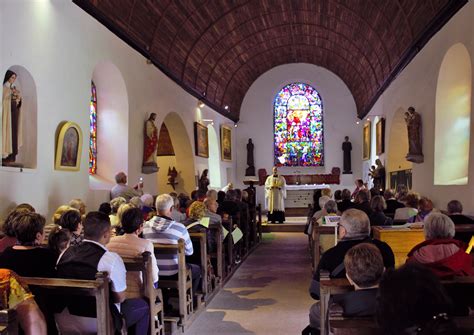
x=298, y=126
x=93, y=131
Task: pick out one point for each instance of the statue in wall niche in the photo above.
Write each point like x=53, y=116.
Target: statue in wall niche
x=150, y=143
x=172, y=175
x=415, y=151
x=347, y=148
x=11, y=120
x=250, y=171
x=204, y=182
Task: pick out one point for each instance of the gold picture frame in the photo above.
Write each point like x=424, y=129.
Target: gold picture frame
x=68, y=147
x=366, y=141
x=226, y=143
x=380, y=137
x=201, y=141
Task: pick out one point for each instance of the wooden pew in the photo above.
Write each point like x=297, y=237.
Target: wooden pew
x=98, y=288
x=402, y=239
x=259, y=222
x=315, y=247
x=153, y=295
x=218, y=254
x=330, y=287
x=200, y=239
x=184, y=282
x=343, y=325
x=228, y=244
x=8, y=322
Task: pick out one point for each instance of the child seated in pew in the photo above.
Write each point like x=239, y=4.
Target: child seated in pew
x=364, y=268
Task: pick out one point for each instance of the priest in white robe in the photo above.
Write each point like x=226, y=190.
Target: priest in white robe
x=275, y=194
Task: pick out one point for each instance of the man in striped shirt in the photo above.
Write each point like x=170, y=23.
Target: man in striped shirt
x=162, y=229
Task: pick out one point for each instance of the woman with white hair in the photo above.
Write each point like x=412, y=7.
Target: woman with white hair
x=440, y=252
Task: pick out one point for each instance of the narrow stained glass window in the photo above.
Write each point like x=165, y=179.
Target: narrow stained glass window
x=298, y=126
x=93, y=131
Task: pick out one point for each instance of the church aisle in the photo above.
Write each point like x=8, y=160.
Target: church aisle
x=267, y=295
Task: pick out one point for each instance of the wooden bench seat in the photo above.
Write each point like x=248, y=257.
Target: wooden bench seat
x=98, y=288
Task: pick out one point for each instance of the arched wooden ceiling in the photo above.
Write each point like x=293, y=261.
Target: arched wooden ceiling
x=216, y=49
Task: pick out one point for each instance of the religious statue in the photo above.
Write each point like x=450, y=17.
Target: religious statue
x=203, y=186
x=378, y=175
x=150, y=144
x=250, y=171
x=275, y=194
x=11, y=120
x=415, y=152
x=172, y=175
x=347, y=148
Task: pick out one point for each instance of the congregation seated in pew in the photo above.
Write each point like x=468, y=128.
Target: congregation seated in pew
x=392, y=203
x=440, y=252
x=72, y=221
x=410, y=209
x=131, y=245
x=354, y=228
x=364, y=268
x=163, y=229
x=83, y=262
x=378, y=217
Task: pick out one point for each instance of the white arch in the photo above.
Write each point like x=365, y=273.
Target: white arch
x=183, y=159
x=214, y=162
x=112, y=116
x=453, y=118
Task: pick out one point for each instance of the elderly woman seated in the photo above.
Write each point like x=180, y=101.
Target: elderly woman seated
x=441, y=253
x=115, y=204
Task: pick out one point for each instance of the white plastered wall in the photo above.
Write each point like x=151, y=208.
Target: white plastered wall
x=416, y=86
x=61, y=45
x=256, y=122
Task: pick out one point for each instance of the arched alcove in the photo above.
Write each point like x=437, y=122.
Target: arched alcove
x=214, y=161
x=26, y=120
x=183, y=159
x=453, y=118
x=112, y=121
x=397, y=145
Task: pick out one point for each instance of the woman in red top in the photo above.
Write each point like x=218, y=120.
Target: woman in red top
x=440, y=252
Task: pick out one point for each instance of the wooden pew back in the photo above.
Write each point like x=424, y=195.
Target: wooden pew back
x=183, y=284
x=154, y=297
x=98, y=288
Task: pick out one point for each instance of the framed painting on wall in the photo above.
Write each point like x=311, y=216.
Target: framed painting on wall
x=201, y=142
x=68, y=147
x=380, y=137
x=226, y=143
x=366, y=142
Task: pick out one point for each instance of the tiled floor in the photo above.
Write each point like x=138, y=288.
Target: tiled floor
x=267, y=295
